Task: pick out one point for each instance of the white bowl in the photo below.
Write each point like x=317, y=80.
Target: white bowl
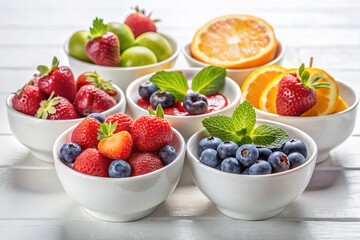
x=120, y=199
x=187, y=125
x=253, y=197
x=122, y=76
x=39, y=135
x=328, y=131
x=239, y=75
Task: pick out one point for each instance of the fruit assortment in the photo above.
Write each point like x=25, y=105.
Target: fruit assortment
x=295, y=92
x=54, y=94
x=237, y=146
x=132, y=43
x=116, y=146
x=171, y=90
x=235, y=42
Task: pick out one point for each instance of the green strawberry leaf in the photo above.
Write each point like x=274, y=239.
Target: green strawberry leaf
x=173, y=82
x=244, y=118
x=301, y=69
x=159, y=111
x=269, y=136
x=98, y=29
x=209, y=80
x=221, y=127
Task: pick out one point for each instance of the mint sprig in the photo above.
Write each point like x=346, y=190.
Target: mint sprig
x=240, y=128
x=208, y=81
x=173, y=82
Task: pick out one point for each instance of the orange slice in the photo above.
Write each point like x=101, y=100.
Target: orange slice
x=257, y=81
x=327, y=98
x=341, y=105
x=235, y=41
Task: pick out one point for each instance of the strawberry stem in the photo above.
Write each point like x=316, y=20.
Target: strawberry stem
x=311, y=62
x=159, y=111
x=99, y=82
x=106, y=130
x=47, y=107
x=45, y=69
x=98, y=29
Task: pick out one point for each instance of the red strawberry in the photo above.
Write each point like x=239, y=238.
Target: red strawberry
x=140, y=23
x=151, y=133
x=56, y=108
x=143, y=163
x=114, y=146
x=34, y=81
x=92, y=78
x=91, y=99
x=296, y=93
x=27, y=99
x=91, y=162
x=85, y=134
x=59, y=80
x=104, y=47
x=123, y=121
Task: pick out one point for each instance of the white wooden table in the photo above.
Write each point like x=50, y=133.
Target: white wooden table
x=33, y=204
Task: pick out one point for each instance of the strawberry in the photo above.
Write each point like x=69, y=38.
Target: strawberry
x=35, y=80
x=143, y=163
x=114, y=146
x=85, y=134
x=123, y=121
x=91, y=162
x=91, y=99
x=296, y=93
x=56, y=108
x=104, y=47
x=151, y=133
x=92, y=78
x=59, y=80
x=27, y=99
x=140, y=23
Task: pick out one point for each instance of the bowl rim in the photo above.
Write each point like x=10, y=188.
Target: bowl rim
x=279, y=55
x=92, y=65
x=61, y=166
x=32, y=118
x=350, y=108
x=228, y=80
x=311, y=158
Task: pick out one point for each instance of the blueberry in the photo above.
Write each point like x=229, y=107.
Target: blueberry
x=246, y=171
x=146, y=89
x=165, y=99
x=208, y=142
x=98, y=116
x=195, y=103
x=264, y=153
x=69, y=152
x=296, y=159
x=227, y=149
x=279, y=161
x=119, y=169
x=295, y=145
x=260, y=167
x=230, y=165
x=167, y=154
x=210, y=157
x=247, y=154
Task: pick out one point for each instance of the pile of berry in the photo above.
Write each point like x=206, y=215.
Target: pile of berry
x=250, y=160
x=116, y=146
x=54, y=94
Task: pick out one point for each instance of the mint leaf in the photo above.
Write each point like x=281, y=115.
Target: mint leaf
x=209, y=80
x=244, y=117
x=172, y=82
x=221, y=127
x=269, y=136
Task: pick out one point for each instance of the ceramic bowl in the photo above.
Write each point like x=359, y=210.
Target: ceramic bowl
x=187, y=125
x=39, y=135
x=120, y=199
x=239, y=75
x=328, y=131
x=252, y=197
x=122, y=76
